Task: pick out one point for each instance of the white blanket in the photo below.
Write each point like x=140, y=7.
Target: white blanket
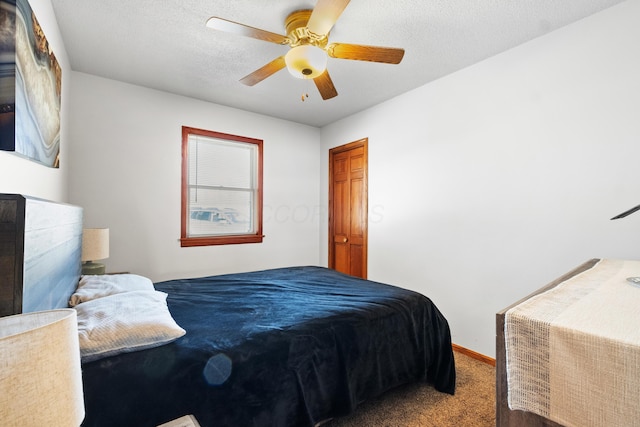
x=573, y=352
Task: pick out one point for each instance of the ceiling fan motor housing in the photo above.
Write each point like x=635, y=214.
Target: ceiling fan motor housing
x=307, y=58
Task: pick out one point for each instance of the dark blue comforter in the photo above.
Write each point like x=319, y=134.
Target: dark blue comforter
x=283, y=347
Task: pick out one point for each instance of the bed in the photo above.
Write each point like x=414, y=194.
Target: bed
x=568, y=354
x=283, y=347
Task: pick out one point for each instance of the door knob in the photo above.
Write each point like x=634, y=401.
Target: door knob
x=345, y=240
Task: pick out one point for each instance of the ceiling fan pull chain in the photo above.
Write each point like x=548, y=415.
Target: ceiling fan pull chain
x=305, y=90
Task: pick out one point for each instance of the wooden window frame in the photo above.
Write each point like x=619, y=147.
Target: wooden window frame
x=187, y=241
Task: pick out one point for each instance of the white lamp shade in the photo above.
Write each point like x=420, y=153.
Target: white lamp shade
x=40, y=379
x=95, y=244
x=306, y=61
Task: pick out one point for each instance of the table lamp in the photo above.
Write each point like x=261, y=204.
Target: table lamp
x=40, y=379
x=636, y=279
x=95, y=246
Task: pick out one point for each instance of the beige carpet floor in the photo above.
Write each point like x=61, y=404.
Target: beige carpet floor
x=420, y=405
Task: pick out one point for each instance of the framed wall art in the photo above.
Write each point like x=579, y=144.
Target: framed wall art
x=30, y=87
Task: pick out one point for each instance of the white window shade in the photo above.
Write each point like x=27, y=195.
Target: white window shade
x=214, y=162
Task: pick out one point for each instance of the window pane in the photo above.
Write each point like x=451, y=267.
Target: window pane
x=220, y=212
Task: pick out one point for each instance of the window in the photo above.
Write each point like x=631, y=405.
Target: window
x=221, y=188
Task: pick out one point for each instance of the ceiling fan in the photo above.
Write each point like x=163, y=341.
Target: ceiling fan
x=307, y=36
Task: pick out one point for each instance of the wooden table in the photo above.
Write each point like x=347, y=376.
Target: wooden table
x=591, y=322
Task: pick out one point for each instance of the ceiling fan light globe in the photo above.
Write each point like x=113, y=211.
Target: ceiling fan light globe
x=306, y=61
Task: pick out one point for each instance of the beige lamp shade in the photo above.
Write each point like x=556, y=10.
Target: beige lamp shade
x=95, y=244
x=40, y=379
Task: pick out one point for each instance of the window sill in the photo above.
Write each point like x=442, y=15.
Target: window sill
x=226, y=240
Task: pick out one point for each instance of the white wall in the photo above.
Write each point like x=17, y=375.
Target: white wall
x=491, y=182
x=20, y=175
x=126, y=171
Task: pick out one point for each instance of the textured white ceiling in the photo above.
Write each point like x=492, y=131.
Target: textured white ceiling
x=165, y=45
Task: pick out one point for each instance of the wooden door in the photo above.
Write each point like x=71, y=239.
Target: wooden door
x=348, y=208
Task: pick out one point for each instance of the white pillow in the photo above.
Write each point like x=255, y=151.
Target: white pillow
x=92, y=287
x=123, y=323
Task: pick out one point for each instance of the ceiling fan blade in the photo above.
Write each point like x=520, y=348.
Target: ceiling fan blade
x=388, y=55
x=325, y=86
x=245, y=30
x=262, y=73
x=325, y=15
